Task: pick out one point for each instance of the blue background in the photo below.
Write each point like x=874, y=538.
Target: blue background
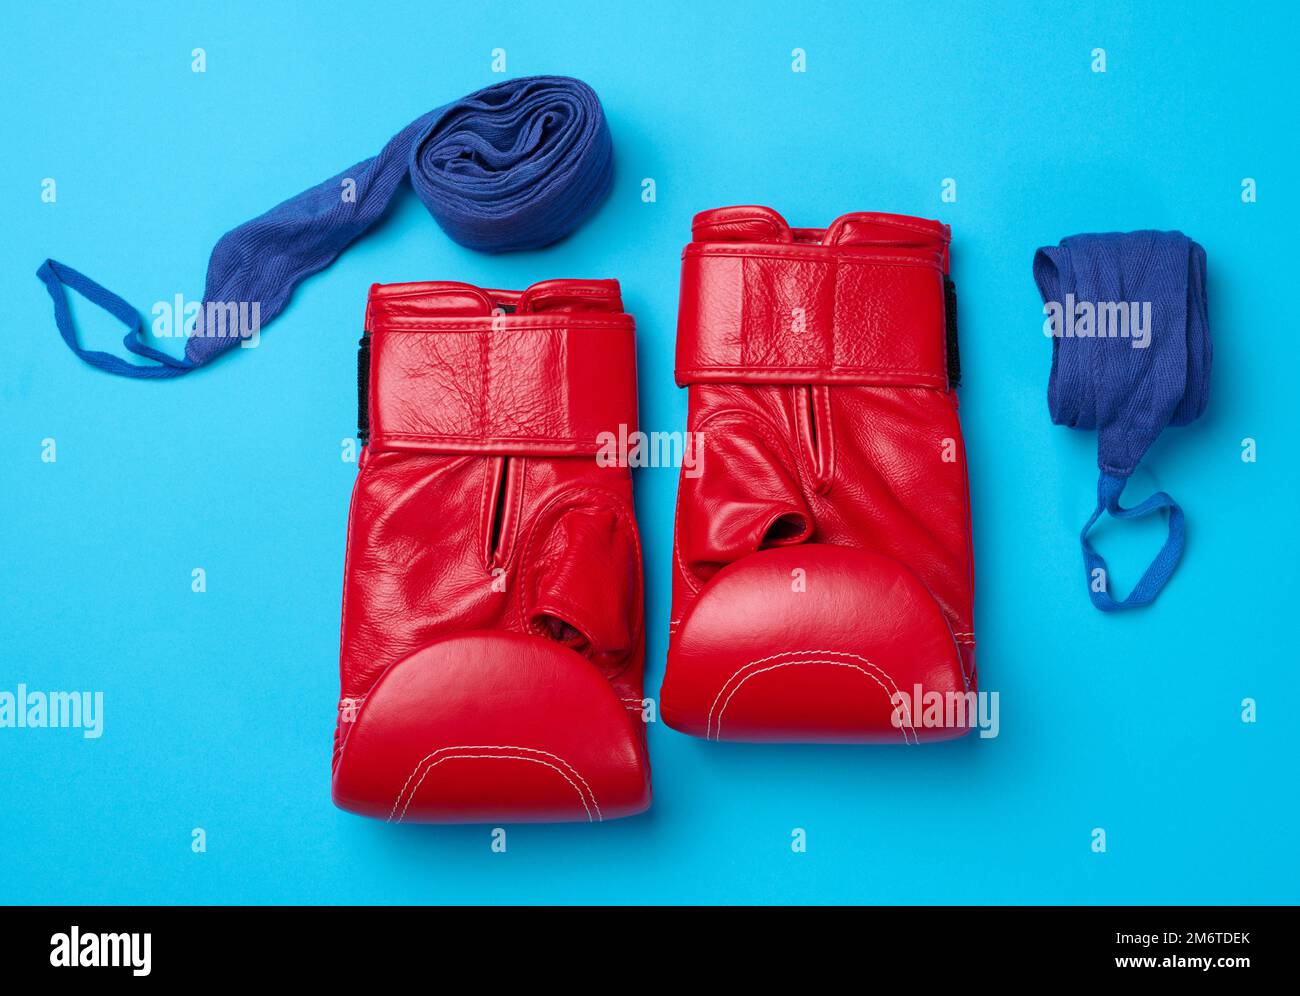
x=220, y=706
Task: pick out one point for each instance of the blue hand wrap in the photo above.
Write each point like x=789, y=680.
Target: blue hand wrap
x=1131, y=354
x=517, y=165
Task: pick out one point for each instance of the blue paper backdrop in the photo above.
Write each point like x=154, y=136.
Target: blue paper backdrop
x=219, y=707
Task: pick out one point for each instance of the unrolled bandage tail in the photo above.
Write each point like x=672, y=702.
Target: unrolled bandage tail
x=517, y=165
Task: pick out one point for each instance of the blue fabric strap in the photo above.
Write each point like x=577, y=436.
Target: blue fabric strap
x=517, y=165
x=1131, y=355
x=56, y=276
x=1161, y=569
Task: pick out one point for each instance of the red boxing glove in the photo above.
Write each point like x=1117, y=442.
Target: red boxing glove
x=823, y=580
x=492, y=640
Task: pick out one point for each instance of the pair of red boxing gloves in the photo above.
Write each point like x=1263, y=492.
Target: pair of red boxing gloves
x=493, y=639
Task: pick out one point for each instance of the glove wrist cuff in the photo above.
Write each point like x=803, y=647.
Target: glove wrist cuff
x=517, y=383
x=795, y=312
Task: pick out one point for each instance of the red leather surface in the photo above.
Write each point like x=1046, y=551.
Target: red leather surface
x=822, y=556
x=548, y=378
x=492, y=640
x=794, y=314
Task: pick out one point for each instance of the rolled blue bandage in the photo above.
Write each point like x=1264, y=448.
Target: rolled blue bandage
x=1131, y=354
x=517, y=165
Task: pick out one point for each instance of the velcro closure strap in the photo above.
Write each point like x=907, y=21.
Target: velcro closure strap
x=504, y=384
x=768, y=313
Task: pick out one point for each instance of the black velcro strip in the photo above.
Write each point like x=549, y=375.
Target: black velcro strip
x=950, y=316
x=363, y=389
